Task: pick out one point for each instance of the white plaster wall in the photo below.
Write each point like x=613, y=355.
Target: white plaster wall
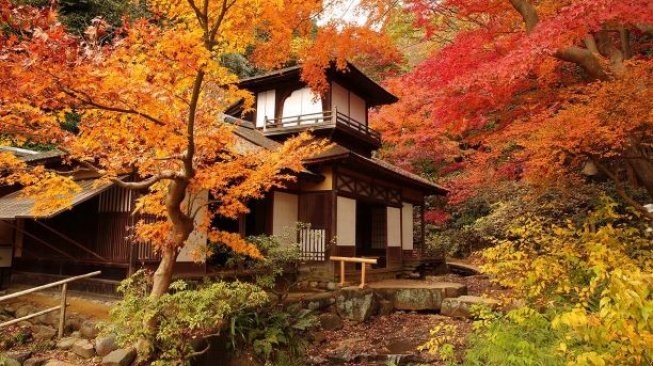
x=357, y=108
x=197, y=240
x=302, y=102
x=285, y=207
x=264, y=106
x=407, y=226
x=394, y=226
x=346, y=222
x=340, y=98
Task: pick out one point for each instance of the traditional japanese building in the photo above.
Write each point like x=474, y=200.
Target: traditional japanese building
x=348, y=202
x=352, y=204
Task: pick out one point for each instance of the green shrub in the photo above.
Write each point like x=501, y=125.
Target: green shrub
x=277, y=334
x=182, y=319
x=522, y=337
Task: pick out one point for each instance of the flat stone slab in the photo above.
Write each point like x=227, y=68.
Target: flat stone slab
x=119, y=357
x=416, y=294
x=461, y=307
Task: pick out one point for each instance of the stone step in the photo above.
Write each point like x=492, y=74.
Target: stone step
x=462, y=306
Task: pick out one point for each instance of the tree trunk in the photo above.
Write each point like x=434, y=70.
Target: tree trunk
x=644, y=171
x=182, y=227
x=163, y=275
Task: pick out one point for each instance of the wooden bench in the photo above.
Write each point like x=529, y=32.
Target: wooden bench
x=363, y=261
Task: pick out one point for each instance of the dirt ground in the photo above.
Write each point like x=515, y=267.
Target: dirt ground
x=400, y=332
x=397, y=333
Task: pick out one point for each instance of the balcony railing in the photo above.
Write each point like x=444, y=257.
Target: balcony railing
x=321, y=119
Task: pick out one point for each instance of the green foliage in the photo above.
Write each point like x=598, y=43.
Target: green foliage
x=77, y=15
x=522, y=337
x=183, y=318
x=278, y=272
x=443, y=339
x=274, y=334
x=597, y=274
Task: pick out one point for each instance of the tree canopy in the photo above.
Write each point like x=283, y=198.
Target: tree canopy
x=151, y=98
x=528, y=90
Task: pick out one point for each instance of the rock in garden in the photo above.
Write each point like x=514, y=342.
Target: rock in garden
x=10, y=309
x=25, y=310
x=461, y=307
x=35, y=361
x=58, y=363
x=105, y=344
x=19, y=356
x=119, y=357
x=89, y=329
x=331, y=286
x=330, y=321
x=356, y=304
x=66, y=343
x=10, y=362
x=418, y=299
x=43, y=332
x=83, y=348
x=386, y=307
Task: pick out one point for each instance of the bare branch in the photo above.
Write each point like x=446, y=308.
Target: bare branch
x=620, y=189
x=527, y=12
x=584, y=58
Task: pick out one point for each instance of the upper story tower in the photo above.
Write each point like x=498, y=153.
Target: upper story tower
x=285, y=105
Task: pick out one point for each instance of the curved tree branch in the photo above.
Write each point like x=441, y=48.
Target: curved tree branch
x=620, y=189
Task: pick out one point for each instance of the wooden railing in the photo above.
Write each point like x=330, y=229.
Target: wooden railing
x=326, y=118
x=312, y=243
x=363, y=261
x=61, y=307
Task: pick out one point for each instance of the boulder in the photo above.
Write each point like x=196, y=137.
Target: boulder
x=89, y=329
x=386, y=307
x=10, y=309
x=418, y=299
x=42, y=333
x=83, y=348
x=330, y=321
x=345, y=350
x=19, y=356
x=35, y=361
x=105, y=344
x=461, y=307
x=7, y=361
x=119, y=357
x=331, y=286
x=25, y=310
x=58, y=363
x=66, y=343
x=356, y=304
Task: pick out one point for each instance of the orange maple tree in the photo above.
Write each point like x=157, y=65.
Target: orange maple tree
x=528, y=90
x=151, y=96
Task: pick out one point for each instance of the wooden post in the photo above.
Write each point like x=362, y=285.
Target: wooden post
x=334, y=115
x=342, y=273
x=62, y=313
x=363, y=266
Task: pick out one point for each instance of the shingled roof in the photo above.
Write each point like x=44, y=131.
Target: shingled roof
x=338, y=152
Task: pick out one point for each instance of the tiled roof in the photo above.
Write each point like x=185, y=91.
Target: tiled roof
x=16, y=205
x=31, y=156
x=337, y=152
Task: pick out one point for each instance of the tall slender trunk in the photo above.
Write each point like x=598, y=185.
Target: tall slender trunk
x=182, y=227
x=163, y=275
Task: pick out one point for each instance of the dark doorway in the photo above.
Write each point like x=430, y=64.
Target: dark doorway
x=371, y=238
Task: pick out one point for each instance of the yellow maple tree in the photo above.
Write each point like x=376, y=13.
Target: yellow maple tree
x=152, y=95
